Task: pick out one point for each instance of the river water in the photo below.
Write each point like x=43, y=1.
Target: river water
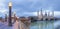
x=45, y=25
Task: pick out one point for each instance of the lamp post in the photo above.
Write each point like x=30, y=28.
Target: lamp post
x=10, y=20
x=14, y=16
x=6, y=17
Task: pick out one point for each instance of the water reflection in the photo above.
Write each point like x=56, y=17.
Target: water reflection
x=45, y=25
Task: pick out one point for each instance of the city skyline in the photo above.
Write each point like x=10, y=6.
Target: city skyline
x=29, y=7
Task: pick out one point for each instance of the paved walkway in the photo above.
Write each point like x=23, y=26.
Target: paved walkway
x=16, y=25
x=3, y=25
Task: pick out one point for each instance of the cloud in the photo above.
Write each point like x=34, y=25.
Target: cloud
x=3, y=11
x=3, y=8
x=2, y=4
x=30, y=7
x=57, y=13
x=33, y=5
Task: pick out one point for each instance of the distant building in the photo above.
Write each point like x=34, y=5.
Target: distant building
x=40, y=14
x=46, y=16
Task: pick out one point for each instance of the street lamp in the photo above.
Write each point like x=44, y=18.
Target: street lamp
x=14, y=16
x=10, y=3
x=6, y=17
x=10, y=18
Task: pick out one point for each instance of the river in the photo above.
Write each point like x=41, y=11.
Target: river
x=45, y=25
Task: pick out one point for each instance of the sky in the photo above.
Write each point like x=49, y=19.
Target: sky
x=30, y=7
